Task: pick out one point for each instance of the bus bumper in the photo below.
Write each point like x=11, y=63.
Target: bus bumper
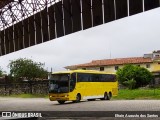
x=55, y=97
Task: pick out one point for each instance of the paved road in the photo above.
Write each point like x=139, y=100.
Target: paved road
x=41, y=104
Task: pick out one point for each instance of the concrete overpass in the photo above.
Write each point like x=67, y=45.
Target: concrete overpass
x=24, y=23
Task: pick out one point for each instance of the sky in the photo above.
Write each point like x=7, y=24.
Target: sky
x=128, y=37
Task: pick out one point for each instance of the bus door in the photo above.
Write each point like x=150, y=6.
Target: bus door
x=72, y=82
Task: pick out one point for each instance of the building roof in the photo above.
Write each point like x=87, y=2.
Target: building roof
x=111, y=62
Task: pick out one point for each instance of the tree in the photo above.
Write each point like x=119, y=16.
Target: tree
x=1, y=72
x=130, y=83
x=134, y=76
x=26, y=68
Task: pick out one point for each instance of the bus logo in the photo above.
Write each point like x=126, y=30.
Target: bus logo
x=6, y=114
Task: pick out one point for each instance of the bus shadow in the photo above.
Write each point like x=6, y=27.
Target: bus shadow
x=70, y=102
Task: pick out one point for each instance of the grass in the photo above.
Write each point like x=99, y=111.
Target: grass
x=28, y=96
x=138, y=94
x=123, y=94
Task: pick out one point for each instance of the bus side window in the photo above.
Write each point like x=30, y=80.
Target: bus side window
x=108, y=78
x=83, y=77
x=79, y=77
x=111, y=78
x=95, y=78
x=103, y=78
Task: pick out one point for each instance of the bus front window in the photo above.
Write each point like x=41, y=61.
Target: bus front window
x=59, y=83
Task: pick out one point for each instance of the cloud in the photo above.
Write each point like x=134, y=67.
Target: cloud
x=130, y=36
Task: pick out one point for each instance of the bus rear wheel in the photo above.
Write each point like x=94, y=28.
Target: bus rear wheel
x=109, y=96
x=61, y=101
x=105, y=96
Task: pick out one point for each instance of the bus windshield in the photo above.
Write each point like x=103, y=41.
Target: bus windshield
x=59, y=83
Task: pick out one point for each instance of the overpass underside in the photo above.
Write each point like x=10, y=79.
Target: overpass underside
x=24, y=23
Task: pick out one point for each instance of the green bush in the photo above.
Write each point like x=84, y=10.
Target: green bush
x=132, y=74
x=131, y=84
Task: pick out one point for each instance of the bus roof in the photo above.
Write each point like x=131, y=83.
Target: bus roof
x=83, y=71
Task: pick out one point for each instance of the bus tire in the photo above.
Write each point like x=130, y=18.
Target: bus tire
x=109, y=96
x=78, y=98
x=105, y=96
x=61, y=101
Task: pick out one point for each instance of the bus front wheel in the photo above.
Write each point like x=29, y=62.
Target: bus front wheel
x=78, y=98
x=61, y=101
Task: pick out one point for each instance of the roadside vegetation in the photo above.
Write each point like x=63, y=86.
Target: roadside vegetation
x=133, y=76
x=26, y=96
x=1, y=72
x=136, y=94
x=26, y=68
x=123, y=94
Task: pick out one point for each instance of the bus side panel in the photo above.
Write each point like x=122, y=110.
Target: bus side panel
x=111, y=87
x=88, y=90
x=79, y=88
x=93, y=90
x=99, y=89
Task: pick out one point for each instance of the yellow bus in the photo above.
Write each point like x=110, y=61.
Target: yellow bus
x=76, y=85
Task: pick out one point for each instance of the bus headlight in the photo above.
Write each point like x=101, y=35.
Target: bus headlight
x=66, y=95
